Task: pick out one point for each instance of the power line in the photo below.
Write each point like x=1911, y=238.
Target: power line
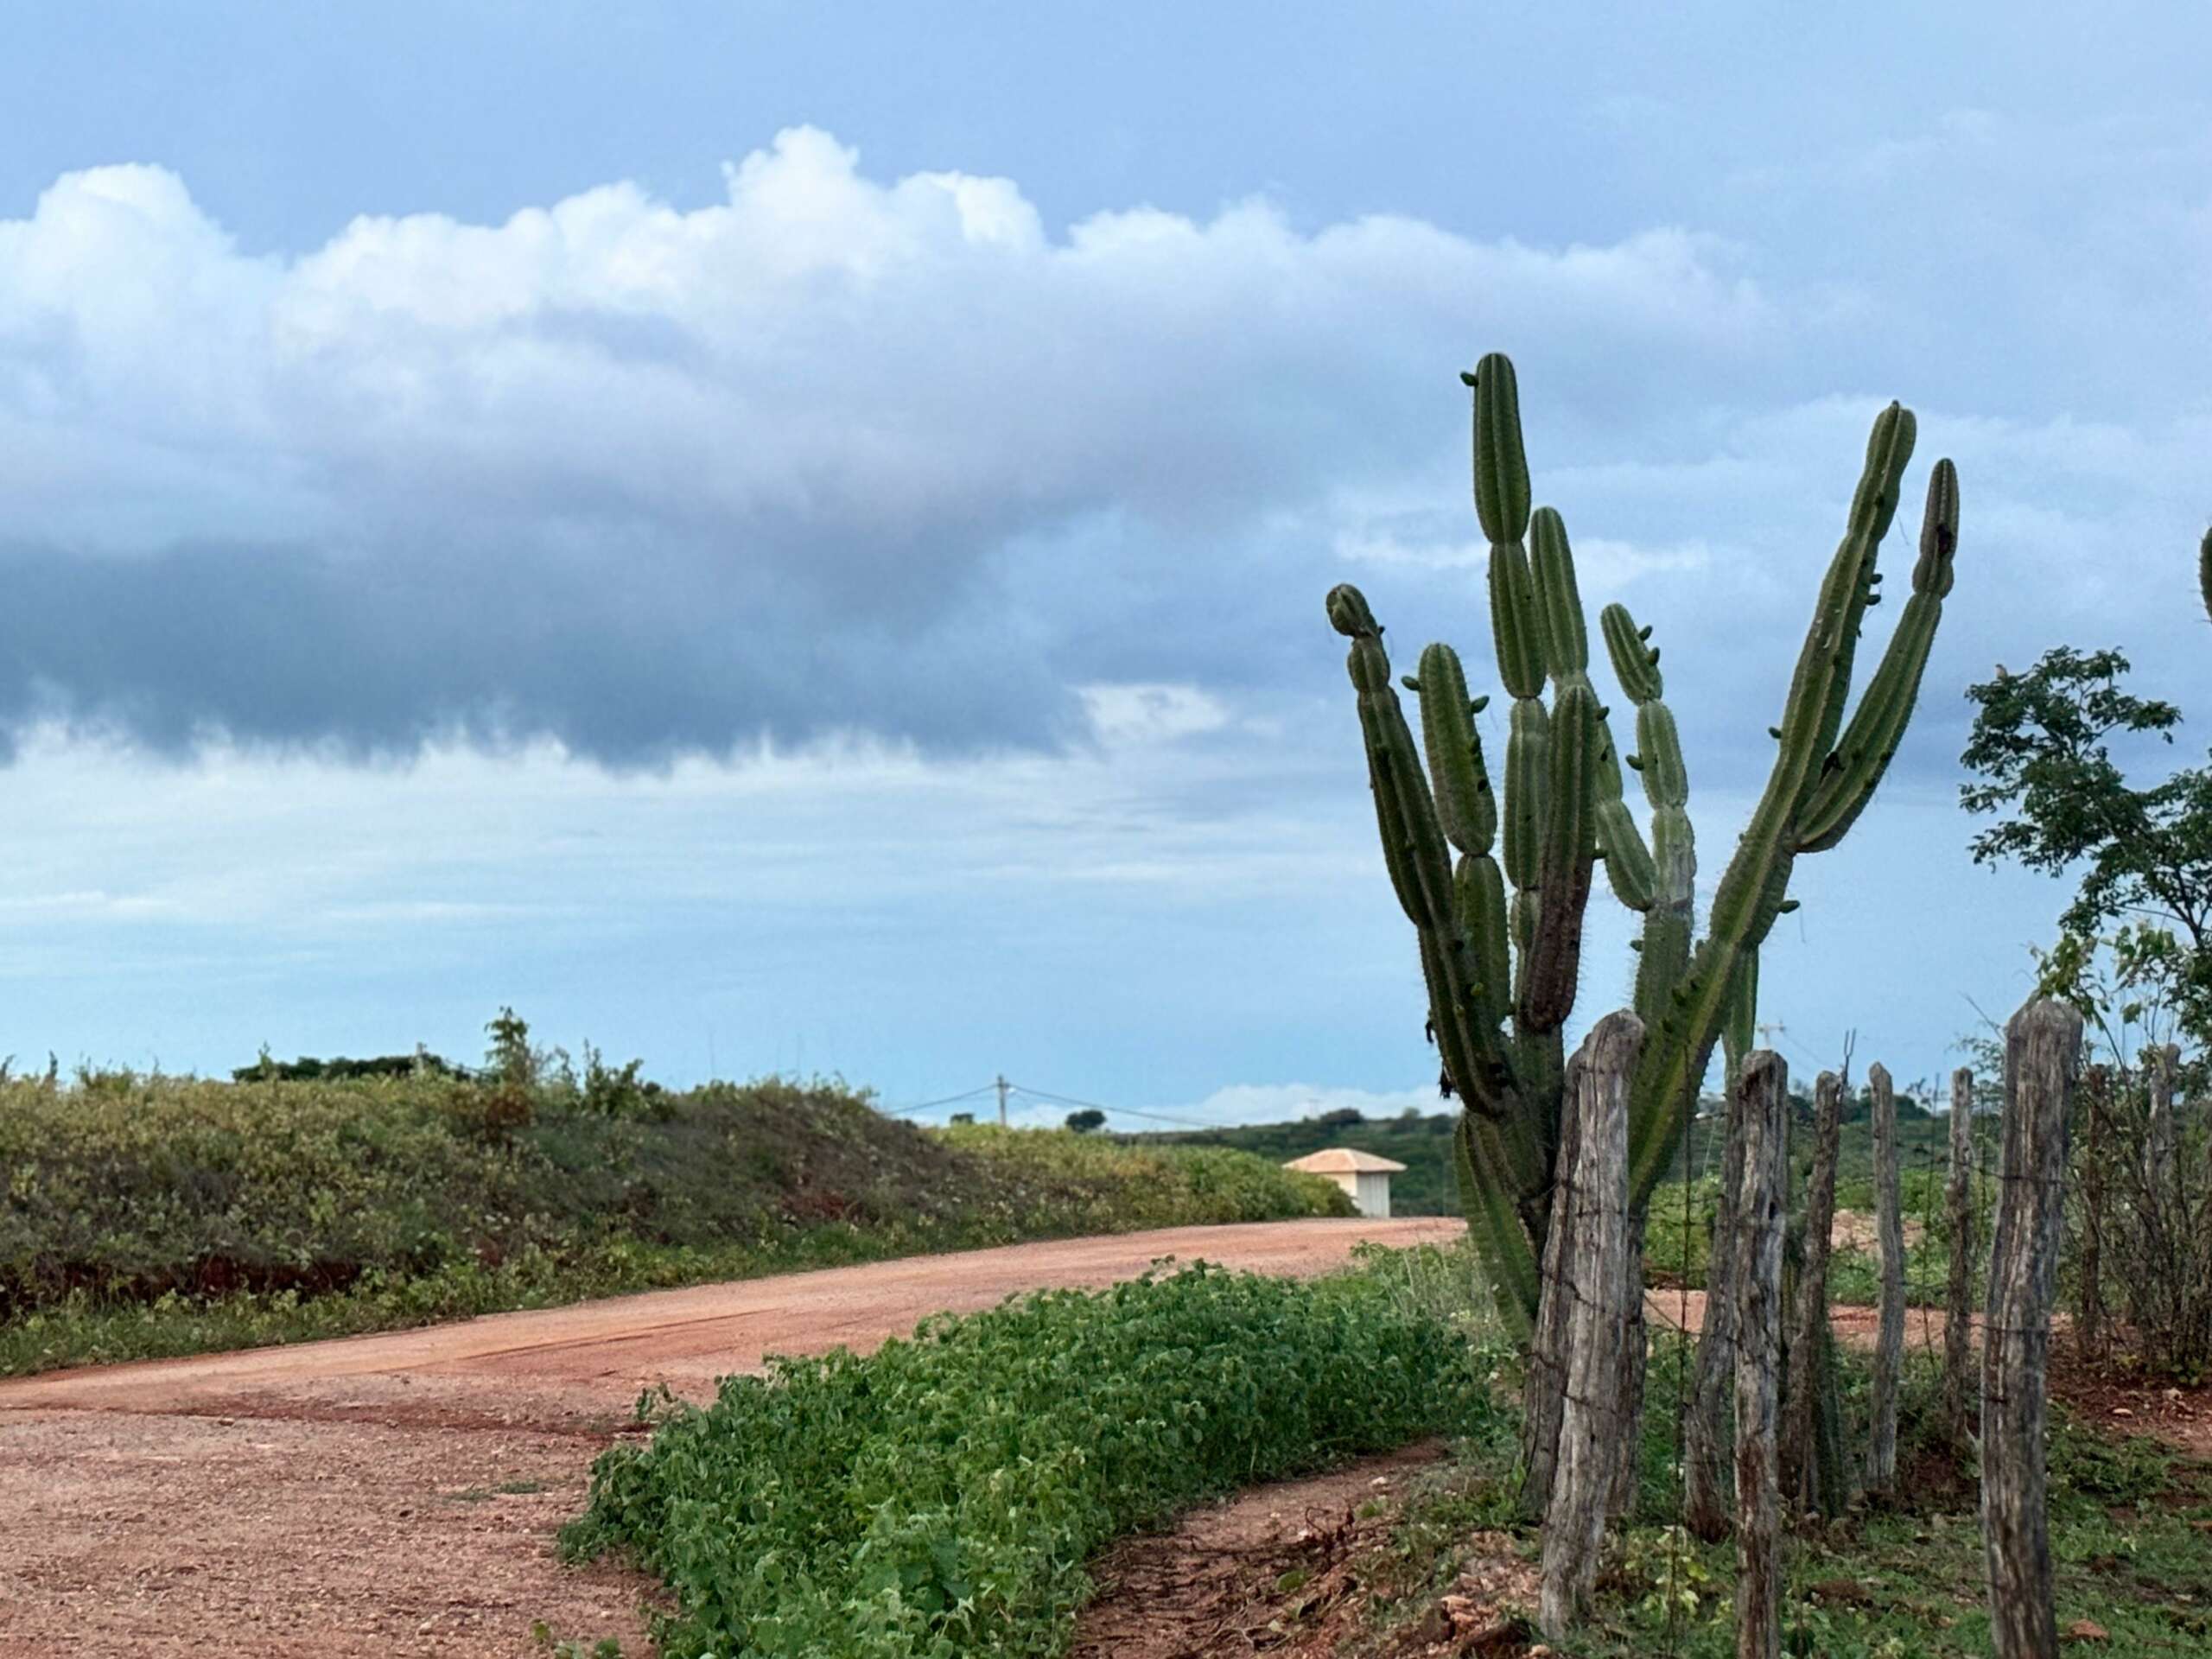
x=1043, y=1096
x=927, y=1105
x=1125, y=1111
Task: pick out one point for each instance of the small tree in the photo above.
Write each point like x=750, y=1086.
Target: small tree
x=1087, y=1121
x=2041, y=754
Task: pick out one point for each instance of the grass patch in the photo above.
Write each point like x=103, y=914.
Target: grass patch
x=941, y=1496
x=149, y=1216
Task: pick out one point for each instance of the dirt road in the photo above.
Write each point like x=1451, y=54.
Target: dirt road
x=397, y=1495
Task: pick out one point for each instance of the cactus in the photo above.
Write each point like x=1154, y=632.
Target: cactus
x=1501, y=967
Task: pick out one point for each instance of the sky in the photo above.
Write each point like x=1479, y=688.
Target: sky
x=790, y=537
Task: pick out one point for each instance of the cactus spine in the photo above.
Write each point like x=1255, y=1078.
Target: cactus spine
x=1501, y=967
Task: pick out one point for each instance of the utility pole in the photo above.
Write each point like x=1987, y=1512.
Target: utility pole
x=1003, y=1085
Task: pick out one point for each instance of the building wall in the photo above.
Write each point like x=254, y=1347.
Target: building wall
x=1371, y=1194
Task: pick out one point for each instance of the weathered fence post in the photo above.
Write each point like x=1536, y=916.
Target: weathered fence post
x=1706, y=1501
x=1957, y=1305
x=1584, y=1475
x=1546, y=1386
x=1762, y=1120
x=2043, y=1046
x=1888, y=1343
x=1809, y=1320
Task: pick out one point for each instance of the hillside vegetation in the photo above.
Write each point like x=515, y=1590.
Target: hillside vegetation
x=142, y=1215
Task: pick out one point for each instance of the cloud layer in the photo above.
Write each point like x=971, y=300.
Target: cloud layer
x=829, y=455
x=832, y=455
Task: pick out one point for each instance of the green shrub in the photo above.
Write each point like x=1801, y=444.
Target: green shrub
x=940, y=1496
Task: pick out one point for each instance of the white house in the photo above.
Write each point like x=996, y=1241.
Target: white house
x=1363, y=1175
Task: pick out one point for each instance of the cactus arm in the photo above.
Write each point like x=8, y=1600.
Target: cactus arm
x=1629, y=868
x=1528, y=780
x=1889, y=447
x=1751, y=890
x=1566, y=654
x=1484, y=916
x=1558, y=599
x=1863, y=754
x=1500, y=462
x=1546, y=991
x=1465, y=807
x=1741, y=1026
x=1663, y=953
x=1503, y=1245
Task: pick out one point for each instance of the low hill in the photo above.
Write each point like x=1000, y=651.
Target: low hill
x=1421, y=1143
x=157, y=1215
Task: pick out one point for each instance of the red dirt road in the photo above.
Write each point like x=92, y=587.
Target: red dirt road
x=397, y=1495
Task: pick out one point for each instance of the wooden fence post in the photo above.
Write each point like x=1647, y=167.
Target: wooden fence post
x=1707, y=1502
x=1809, y=1320
x=1958, y=1303
x=1584, y=1475
x=1546, y=1370
x=2043, y=1048
x=1889, y=1345
x=1763, y=1123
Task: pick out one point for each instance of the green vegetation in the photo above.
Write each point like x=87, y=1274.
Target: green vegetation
x=2131, y=1530
x=146, y=1216
x=941, y=1496
x=1502, y=975
x=2129, y=1534
x=2042, y=765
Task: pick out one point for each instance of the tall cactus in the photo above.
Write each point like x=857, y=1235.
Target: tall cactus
x=1502, y=968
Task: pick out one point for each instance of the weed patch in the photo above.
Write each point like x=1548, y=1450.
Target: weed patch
x=941, y=1496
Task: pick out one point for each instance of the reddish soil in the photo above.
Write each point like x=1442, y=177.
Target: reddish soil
x=398, y=1494
x=1279, y=1570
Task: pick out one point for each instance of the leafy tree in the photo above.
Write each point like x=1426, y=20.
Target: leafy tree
x=1087, y=1121
x=2041, y=756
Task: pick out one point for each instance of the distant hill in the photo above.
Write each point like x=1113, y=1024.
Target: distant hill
x=1422, y=1144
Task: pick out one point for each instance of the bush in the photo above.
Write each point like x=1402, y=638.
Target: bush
x=940, y=1496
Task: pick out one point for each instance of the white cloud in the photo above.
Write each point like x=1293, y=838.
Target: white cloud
x=787, y=440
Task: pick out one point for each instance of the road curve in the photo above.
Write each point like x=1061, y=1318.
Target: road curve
x=397, y=1493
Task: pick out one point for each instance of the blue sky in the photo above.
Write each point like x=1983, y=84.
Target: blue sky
x=790, y=537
